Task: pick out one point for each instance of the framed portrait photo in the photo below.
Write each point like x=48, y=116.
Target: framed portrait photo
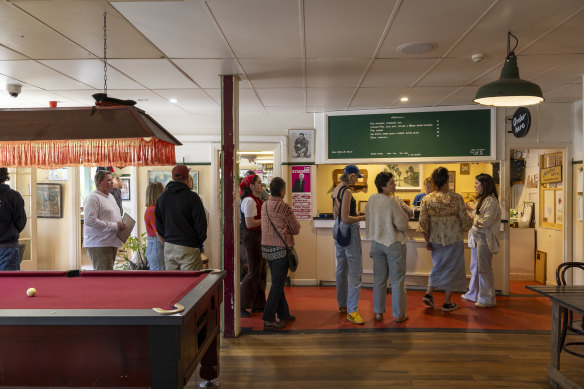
x=125, y=188
x=464, y=169
x=49, y=200
x=301, y=145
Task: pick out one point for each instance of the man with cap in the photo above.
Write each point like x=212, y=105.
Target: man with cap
x=12, y=222
x=181, y=222
x=101, y=221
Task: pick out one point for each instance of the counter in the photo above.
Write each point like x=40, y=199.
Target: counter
x=418, y=260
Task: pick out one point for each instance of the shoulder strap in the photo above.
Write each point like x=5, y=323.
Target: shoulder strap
x=340, y=195
x=275, y=229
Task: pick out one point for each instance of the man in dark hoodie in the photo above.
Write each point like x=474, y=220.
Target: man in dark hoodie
x=12, y=222
x=181, y=222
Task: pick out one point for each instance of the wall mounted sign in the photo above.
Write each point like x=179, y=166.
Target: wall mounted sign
x=551, y=174
x=521, y=122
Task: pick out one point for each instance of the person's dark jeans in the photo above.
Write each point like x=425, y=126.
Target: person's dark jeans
x=276, y=302
x=253, y=285
x=10, y=258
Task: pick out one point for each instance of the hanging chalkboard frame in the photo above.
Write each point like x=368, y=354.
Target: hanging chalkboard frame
x=491, y=156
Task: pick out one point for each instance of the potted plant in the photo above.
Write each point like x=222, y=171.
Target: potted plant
x=133, y=254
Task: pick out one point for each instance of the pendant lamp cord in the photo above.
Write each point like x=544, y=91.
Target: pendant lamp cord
x=509, y=35
x=105, y=53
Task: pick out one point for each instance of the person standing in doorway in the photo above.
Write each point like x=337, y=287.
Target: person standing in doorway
x=253, y=285
x=12, y=222
x=348, y=253
x=102, y=221
x=181, y=222
x=483, y=238
x=154, y=247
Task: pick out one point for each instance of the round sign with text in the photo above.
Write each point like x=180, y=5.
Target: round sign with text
x=521, y=122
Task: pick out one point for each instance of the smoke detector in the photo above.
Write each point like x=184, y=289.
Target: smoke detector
x=417, y=47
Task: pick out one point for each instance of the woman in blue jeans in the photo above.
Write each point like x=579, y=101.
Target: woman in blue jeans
x=278, y=227
x=154, y=247
x=387, y=222
x=349, y=260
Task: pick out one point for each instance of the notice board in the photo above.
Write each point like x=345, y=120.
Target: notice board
x=466, y=134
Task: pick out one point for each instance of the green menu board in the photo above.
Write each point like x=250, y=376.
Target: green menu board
x=452, y=134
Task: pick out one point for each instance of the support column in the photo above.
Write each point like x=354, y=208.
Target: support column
x=230, y=203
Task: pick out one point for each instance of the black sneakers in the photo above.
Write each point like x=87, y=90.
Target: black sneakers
x=449, y=307
x=429, y=300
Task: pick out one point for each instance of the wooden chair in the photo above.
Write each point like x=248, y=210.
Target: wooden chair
x=568, y=322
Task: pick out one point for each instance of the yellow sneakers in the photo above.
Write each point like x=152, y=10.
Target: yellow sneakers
x=355, y=318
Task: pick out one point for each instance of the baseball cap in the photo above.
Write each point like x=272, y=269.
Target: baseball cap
x=349, y=169
x=179, y=172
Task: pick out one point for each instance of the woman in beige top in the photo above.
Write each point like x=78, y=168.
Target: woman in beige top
x=484, y=242
x=443, y=219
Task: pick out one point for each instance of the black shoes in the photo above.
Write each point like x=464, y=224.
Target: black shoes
x=429, y=300
x=245, y=313
x=449, y=307
x=273, y=325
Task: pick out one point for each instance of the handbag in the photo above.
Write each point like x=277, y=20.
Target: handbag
x=290, y=251
x=342, y=240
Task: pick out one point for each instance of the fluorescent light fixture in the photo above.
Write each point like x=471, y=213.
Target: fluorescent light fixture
x=509, y=90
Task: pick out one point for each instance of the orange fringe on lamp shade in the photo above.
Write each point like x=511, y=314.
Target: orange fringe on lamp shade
x=51, y=154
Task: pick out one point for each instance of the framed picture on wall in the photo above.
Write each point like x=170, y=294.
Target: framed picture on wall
x=125, y=188
x=49, y=200
x=407, y=176
x=164, y=177
x=301, y=145
x=452, y=180
x=464, y=169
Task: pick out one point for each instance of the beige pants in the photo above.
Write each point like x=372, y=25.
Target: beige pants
x=182, y=257
x=102, y=258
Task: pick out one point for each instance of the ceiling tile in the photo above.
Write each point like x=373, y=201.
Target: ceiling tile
x=24, y=34
x=148, y=101
x=206, y=72
x=329, y=97
x=564, y=39
x=180, y=29
x=274, y=73
x=82, y=23
x=153, y=73
x=260, y=29
x=461, y=96
x=91, y=72
x=458, y=71
x=38, y=75
x=334, y=72
x=7, y=54
x=527, y=19
x=371, y=98
x=568, y=94
x=396, y=72
x=279, y=97
x=191, y=100
x=428, y=96
x=418, y=21
x=345, y=28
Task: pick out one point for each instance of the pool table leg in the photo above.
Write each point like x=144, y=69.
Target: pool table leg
x=165, y=357
x=210, y=362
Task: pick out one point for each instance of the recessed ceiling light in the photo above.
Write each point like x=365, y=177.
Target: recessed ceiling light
x=404, y=99
x=417, y=47
x=173, y=100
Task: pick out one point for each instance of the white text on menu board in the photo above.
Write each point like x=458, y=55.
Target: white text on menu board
x=385, y=129
x=477, y=151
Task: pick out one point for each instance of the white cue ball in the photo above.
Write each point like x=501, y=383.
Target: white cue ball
x=31, y=292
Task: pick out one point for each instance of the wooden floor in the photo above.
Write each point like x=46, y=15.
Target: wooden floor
x=439, y=359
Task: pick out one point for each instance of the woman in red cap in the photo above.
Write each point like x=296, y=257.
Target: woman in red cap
x=253, y=285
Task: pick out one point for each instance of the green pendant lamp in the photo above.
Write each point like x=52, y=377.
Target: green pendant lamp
x=509, y=90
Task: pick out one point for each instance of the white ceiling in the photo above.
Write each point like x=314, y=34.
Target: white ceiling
x=295, y=56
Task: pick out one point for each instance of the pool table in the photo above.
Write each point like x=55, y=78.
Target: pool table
x=99, y=328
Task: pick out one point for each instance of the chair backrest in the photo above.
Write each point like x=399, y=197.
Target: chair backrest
x=563, y=268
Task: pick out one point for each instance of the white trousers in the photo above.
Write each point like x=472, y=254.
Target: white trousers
x=481, y=287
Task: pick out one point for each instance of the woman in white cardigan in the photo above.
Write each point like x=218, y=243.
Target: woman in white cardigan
x=484, y=242
x=386, y=224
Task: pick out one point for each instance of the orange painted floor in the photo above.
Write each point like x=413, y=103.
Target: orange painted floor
x=315, y=309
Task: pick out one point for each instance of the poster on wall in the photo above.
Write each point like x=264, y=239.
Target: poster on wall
x=165, y=177
x=559, y=206
x=301, y=195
